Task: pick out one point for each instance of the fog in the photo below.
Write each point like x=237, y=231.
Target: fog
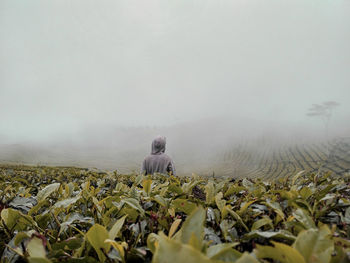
x=91, y=83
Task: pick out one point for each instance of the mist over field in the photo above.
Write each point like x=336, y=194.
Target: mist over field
x=196, y=147
x=231, y=84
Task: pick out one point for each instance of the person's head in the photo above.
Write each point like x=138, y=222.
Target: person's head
x=158, y=145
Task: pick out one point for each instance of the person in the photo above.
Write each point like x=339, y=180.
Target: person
x=158, y=161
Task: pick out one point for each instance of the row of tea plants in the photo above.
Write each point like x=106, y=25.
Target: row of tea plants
x=51, y=214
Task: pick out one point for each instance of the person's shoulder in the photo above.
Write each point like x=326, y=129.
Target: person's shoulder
x=165, y=156
x=148, y=157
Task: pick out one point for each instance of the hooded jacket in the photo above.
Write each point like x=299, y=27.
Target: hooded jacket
x=158, y=161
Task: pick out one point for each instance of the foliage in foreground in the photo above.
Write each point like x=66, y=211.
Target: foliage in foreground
x=76, y=215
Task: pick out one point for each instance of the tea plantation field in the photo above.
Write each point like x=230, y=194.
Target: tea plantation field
x=279, y=161
x=64, y=214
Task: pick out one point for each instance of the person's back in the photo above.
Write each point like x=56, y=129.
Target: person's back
x=158, y=161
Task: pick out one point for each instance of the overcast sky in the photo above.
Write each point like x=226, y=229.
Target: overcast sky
x=70, y=64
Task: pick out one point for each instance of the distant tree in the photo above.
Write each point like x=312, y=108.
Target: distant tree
x=323, y=111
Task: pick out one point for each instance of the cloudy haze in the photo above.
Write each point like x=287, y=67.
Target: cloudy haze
x=70, y=66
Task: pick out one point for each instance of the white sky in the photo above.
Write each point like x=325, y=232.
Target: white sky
x=68, y=64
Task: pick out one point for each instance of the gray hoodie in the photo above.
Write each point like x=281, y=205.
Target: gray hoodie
x=158, y=161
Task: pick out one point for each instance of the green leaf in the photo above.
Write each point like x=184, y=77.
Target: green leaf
x=174, y=227
x=220, y=203
x=152, y=242
x=305, y=192
x=282, y=234
x=346, y=217
x=10, y=216
x=276, y=207
x=173, y=188
x=75, y=218
x=36, y=250
x=15, y=220
x=146, y=184
x=247, y=184
x=209, y=192
x=172, y=251
x=47, y=191
x=262, y=222
x=70, y=243
x=320, y=194
x=183, y=205
x=244, y=207
x=120, y=247
x=193, y=228
x=38, y=260
x=247, y=258
x=233, y=189
x=139, y=179
x=341, y=250
x=132, y=202
x=161, y=200
x=67, y=202
x=281, y=252
x=224, y=252
x=302, y=216
x=296, y=177
x=22, y=235
x=187, y=187
x=116, y=228
x=315, y=245
x=96, y=236
x=236, y=217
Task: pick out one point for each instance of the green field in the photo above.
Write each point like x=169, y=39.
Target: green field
x=279, y=161
x=64, y=214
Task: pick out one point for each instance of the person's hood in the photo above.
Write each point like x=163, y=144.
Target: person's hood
x=158, y=145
